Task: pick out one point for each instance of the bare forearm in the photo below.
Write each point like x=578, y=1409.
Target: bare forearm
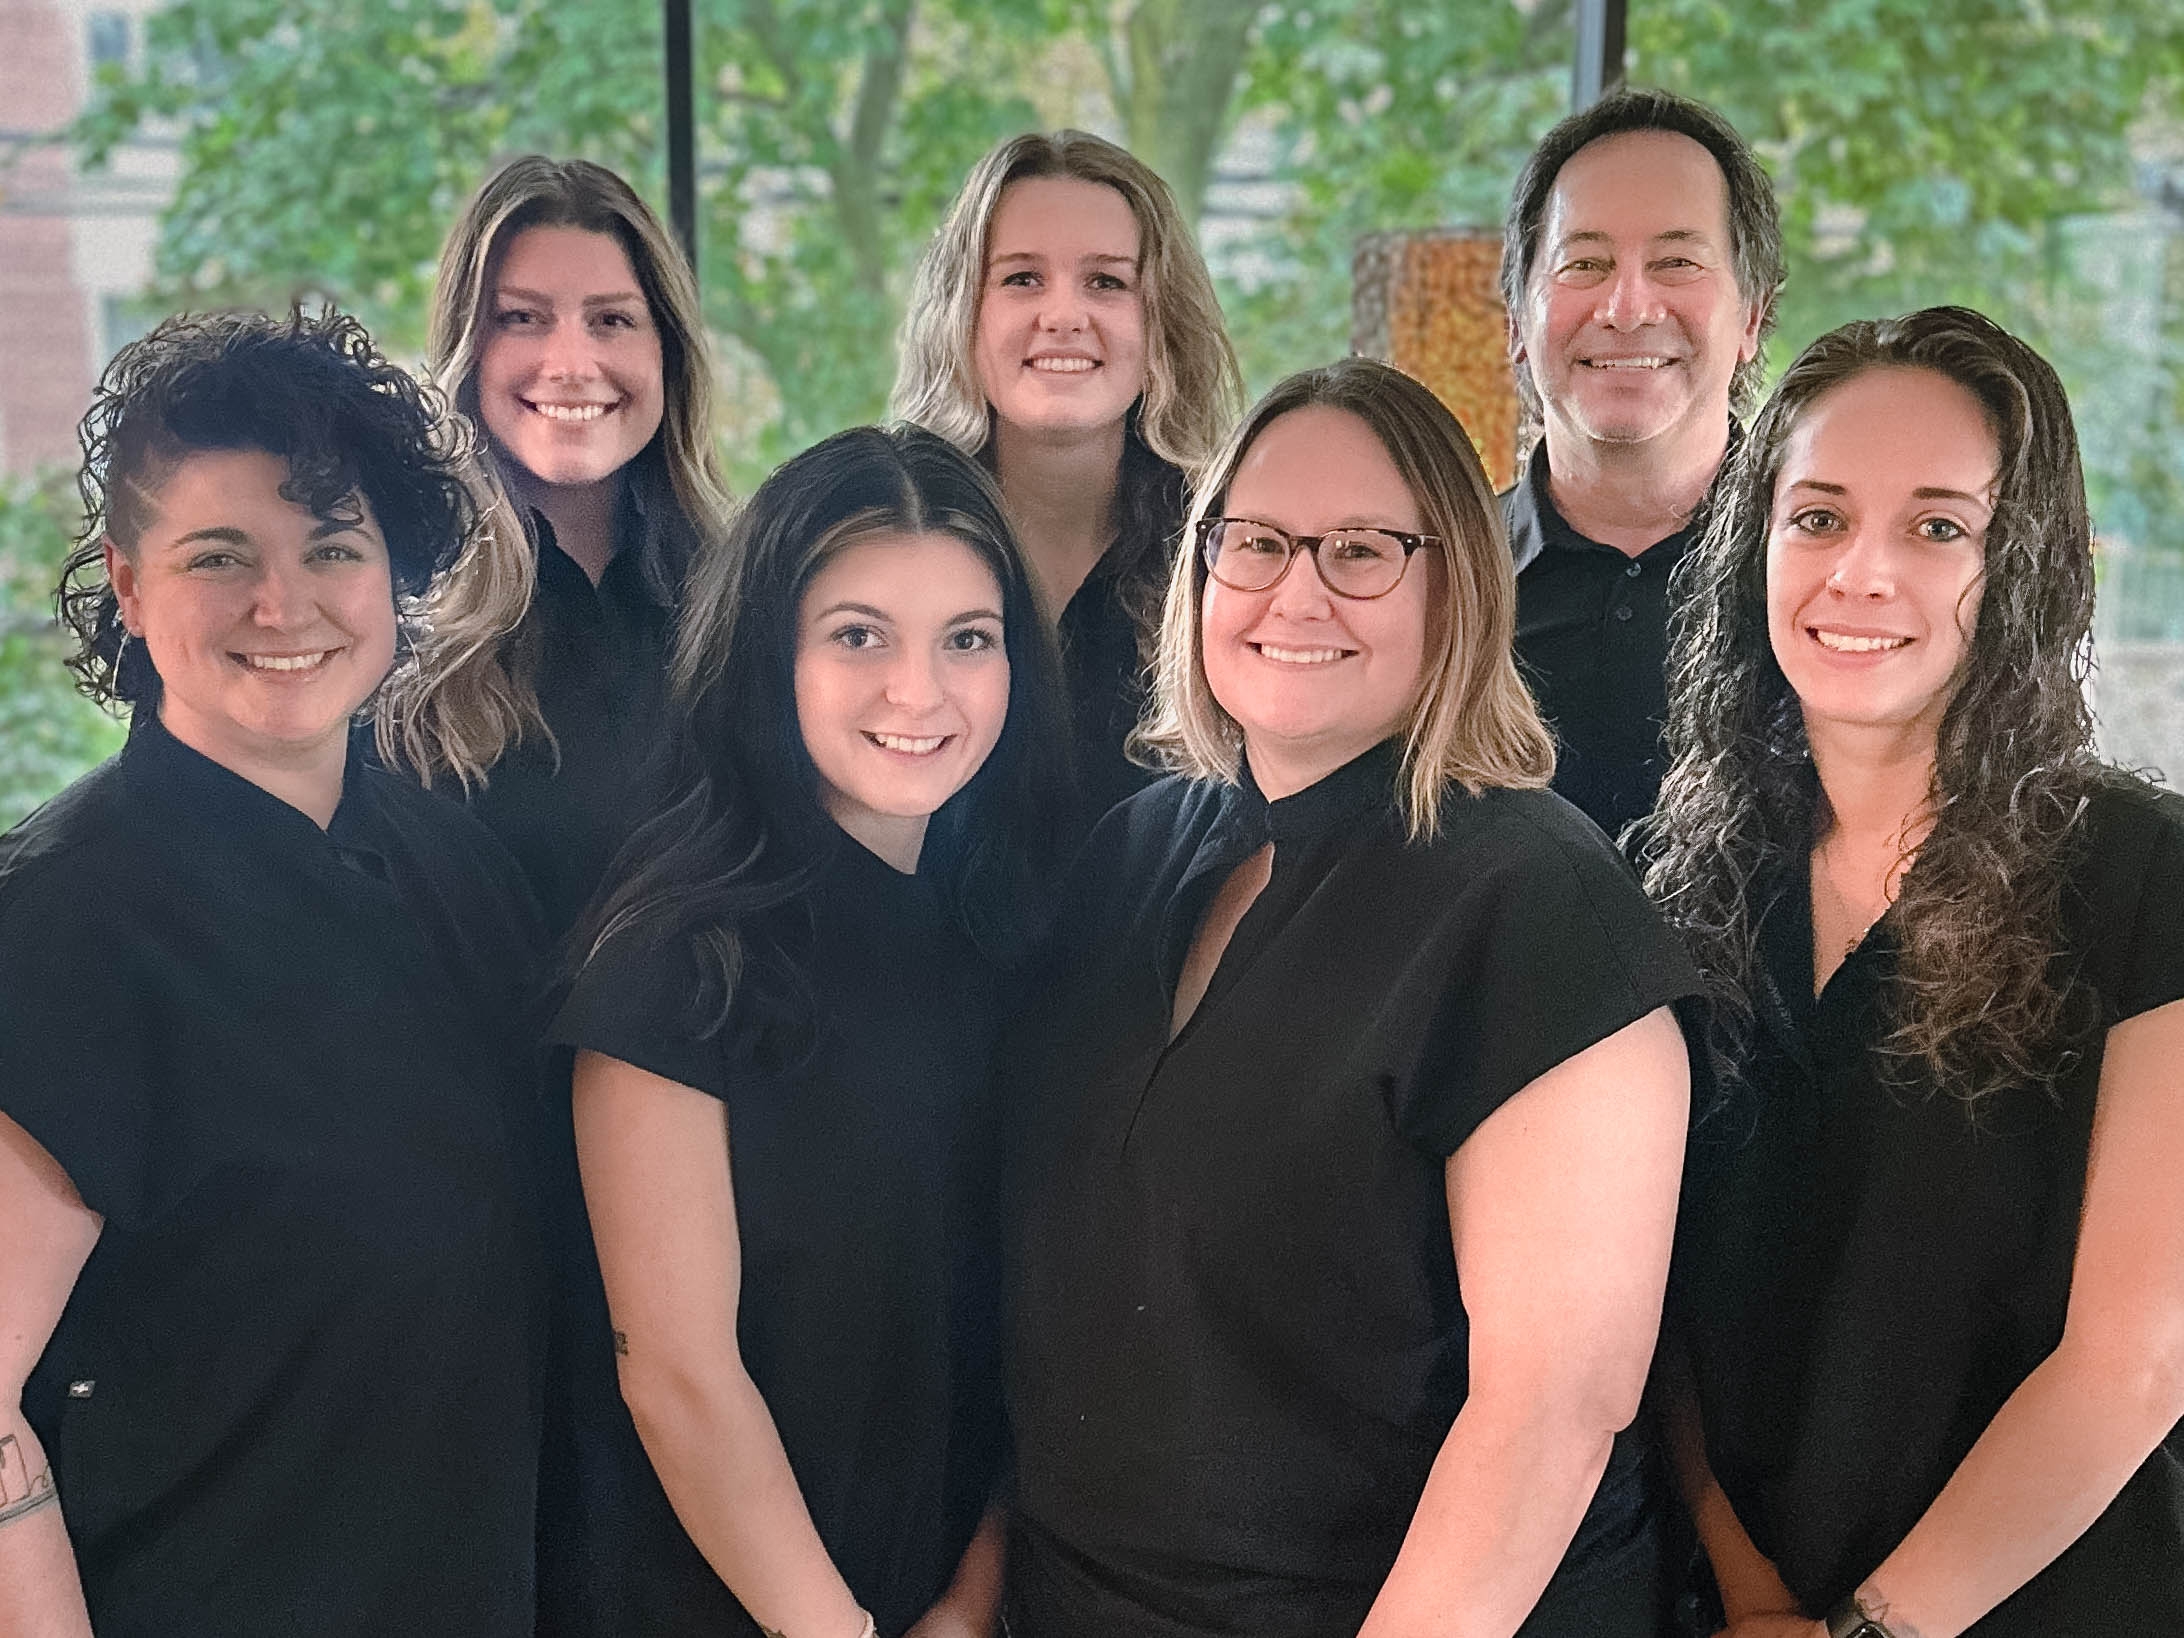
x=2048, y=1465
x=40, y=1596
x=1506, y=1494
x=713, y=1443
x=1747, y=1578
x=971, y=1607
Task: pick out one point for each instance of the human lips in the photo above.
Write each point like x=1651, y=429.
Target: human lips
x=1282, y=655
x=569, y=413
x=304, y=663
x=908, y=744
x=1629, y=361
x=1062, y=363
x=1837, y=641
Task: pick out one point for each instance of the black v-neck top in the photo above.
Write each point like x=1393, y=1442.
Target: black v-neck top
x=1237, y=1339
x=1864, y=1278
x=564, y=808
x=293, y=1390
x=863, y=1184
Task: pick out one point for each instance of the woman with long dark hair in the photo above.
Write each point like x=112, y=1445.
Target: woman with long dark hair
x=566, y=324
x=1064, y=330
x=784, y=1023
x=1932, y=1312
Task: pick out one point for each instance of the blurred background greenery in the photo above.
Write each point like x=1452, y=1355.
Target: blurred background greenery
x=2024, y=156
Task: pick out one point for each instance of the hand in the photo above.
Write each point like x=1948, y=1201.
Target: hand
x=944, y=1620
x=1775, y=1624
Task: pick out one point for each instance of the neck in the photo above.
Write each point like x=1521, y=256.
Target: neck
x=1632, y=496
x=308, y=777
x=1281, y=771
x=1061, y=496
x=1878, y=783
x=582, y=516
x=896, y=842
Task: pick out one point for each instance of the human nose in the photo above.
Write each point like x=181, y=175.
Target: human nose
x=1062, y=307
x=1300, y=593
x=283, y=599
x=1630, y=298
x=568, y=354
x=1864, y=567
x=913, y=682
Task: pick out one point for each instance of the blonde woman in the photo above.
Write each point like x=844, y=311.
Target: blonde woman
x=1063, y=329
x=566, y=323
x=1355, y=1109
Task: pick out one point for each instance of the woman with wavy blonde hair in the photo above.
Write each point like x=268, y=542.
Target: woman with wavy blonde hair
x=1353, y=1110
x=568, y=325
x=1063, y=329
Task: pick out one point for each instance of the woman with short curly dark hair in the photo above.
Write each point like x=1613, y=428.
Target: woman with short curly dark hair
x=1933, y=1292
x=267, y=1264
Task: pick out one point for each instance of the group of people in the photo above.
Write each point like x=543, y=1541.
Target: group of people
x=609, y=1063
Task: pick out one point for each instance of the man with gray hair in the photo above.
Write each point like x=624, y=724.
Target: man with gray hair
x=1640, y=262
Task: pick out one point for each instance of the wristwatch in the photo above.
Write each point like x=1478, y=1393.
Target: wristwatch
x=1850, y=1620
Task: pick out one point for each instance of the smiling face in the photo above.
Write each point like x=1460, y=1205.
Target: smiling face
x=1633, y=325
x=569, y=372
x=902, y=683
x=1875, y=549
x=1060, y=345
x=268, y=626
x=1314, y=679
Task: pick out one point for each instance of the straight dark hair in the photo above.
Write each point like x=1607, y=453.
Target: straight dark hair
x=728, y=863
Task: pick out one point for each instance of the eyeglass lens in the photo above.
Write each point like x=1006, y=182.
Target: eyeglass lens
x=1247, y=556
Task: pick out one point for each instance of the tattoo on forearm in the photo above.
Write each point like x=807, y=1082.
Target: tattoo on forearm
x=769, y=1632
x=621, y=1343
x=22, y=1491
x=1880, y=1610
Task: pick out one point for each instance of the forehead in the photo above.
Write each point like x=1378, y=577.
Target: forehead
x=905, y=574
x=1318, y=468
x=1639, y=185
x=1893, y=429
x=559, y=259
x=229, y=488
x=1062, y=218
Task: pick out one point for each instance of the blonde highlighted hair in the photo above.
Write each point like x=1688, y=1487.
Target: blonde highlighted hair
x=1193, y=387
x=1473, y=723
x=473, y=695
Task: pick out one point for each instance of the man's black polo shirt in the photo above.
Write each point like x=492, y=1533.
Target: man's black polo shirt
x=1592, y=642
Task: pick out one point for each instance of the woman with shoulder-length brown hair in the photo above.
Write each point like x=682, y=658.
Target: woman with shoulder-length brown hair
x=1353, y=1111
x=567, y=324
x=1063, y=329
x=1934, y=1314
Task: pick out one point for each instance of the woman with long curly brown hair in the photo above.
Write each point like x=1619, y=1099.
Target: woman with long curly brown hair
x=1932, y=1283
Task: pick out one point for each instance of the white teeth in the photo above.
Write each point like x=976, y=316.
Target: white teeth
x=1627, y=363
x=285, y=662
x=914, y=747
x=1064, y=366
x=571, y=412
x=1843, y=643
x=1300, y=656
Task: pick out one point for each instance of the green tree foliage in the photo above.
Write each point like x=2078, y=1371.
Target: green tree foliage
x=48, y=732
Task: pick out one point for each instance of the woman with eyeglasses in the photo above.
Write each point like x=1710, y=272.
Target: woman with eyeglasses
x=1354, y=1109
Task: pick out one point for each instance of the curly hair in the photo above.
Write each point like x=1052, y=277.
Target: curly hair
x=311, y=389
x=1193, y=387
x=1983, y=999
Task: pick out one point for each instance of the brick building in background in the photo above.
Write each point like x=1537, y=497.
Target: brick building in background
x=75, y=249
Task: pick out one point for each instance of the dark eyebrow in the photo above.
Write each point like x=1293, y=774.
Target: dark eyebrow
x=506, y=291
x=969, y=615
x=225, y=534
x=1824, y=488
x=1681, y=236
x=1936, y=493
x=1101, y=256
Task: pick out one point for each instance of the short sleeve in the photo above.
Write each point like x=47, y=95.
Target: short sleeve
x=632, y=1001
x=79, y=1027
x=1546, y=945
x=2135, y=901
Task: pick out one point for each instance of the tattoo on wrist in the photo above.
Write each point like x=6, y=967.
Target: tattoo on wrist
x=22, y=1491
x=621, y=1347
x=1882, y=1611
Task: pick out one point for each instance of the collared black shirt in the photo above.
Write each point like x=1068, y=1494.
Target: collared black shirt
x=1864, y=1279
x=294, y=1389
x=1106, y=681
x=863, y=1181
x=1237, y=1339
x=1592, y=641
x=601, y=684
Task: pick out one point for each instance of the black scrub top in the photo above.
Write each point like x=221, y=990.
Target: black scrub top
x=601, y=681
x=294, y=1389
x=1864, y=1279
x=863, y=1185
x=1592, y=642
x=1236, y=1339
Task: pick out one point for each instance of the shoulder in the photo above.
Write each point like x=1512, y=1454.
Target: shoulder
x=1160, y=824
x=2124, y=894
x=443, y=832
x=69, y=843
x=1526, y=832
